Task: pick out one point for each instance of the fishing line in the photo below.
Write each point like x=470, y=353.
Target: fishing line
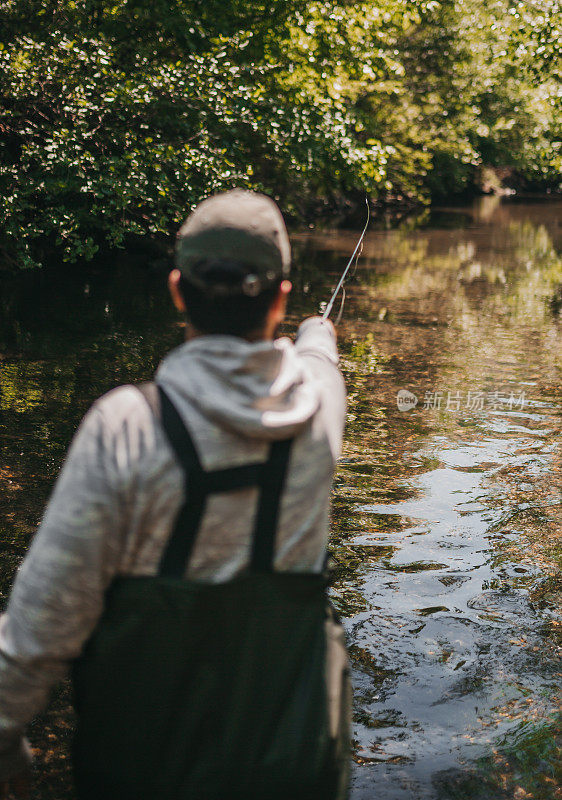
x=357, y=252
x=340, y=312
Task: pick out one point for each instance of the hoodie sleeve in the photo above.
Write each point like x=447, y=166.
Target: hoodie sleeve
x=58, y=592
x=316, y=345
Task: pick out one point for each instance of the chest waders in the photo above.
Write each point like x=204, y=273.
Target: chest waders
x=230, y=691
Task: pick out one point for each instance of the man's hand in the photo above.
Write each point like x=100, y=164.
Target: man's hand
x=327, y=322
x=331, y=326
x=18, y=787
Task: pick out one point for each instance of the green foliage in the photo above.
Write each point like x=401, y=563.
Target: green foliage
x=119, y=115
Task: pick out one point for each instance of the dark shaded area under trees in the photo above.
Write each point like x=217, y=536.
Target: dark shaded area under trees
x=119, y=115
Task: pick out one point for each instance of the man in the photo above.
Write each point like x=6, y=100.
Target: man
x=178, y=567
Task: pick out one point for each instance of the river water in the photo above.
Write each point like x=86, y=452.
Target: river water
x=447, y=507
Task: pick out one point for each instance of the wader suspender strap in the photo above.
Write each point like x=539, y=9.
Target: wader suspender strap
x=269, y=476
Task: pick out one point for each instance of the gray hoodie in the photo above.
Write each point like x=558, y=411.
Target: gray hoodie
x=120, y=488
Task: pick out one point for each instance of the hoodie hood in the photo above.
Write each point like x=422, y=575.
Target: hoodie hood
x=258, y=389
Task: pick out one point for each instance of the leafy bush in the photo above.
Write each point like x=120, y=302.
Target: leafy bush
x=119, y=115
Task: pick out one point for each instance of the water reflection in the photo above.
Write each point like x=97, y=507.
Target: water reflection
x=450, y=651
x=446, y=517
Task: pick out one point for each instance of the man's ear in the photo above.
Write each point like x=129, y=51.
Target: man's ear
x=276, y=312
x=279, y=305
x=175, y=291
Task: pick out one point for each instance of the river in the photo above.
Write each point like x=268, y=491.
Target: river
x=446, y=511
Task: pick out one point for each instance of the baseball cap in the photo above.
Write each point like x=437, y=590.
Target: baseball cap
x=234, y=241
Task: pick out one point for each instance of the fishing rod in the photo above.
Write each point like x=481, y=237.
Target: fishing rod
x=328, y=308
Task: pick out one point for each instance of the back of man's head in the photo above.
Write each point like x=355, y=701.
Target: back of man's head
x=233, y=253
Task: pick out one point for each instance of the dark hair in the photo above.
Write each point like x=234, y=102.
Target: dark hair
x=233, y=312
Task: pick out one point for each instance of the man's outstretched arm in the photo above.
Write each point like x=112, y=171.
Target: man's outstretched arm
x=316, y=344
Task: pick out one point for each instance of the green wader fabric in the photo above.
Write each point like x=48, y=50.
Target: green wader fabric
x=201, y=691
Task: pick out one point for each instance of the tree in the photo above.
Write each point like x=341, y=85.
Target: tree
x=120, y=115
